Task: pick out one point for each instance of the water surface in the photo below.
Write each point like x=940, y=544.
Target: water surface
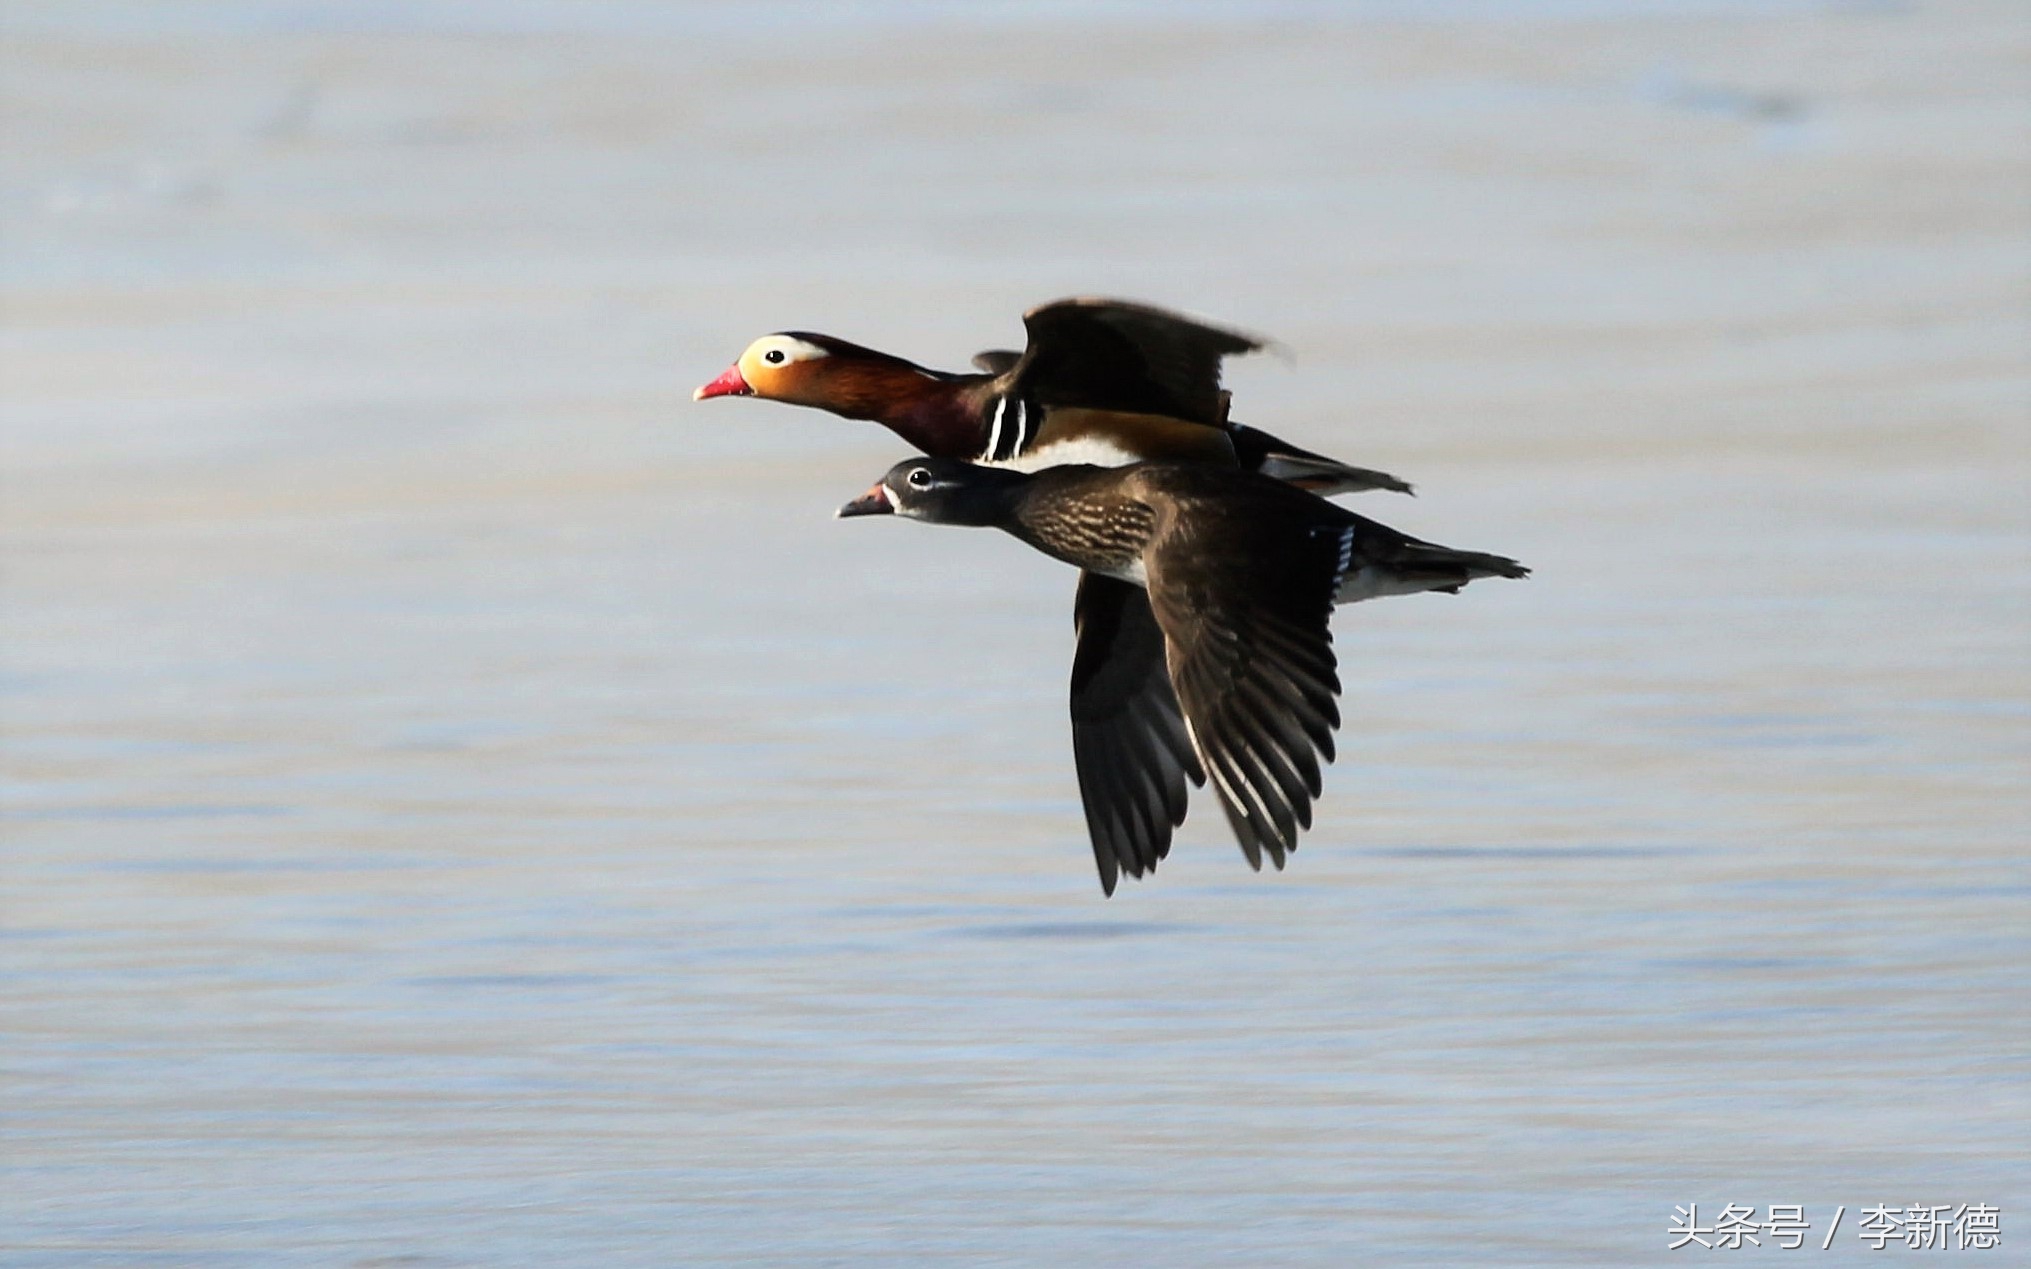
x=470, y=806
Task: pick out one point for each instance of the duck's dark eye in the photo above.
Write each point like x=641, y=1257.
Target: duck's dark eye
x=775, y=356
x=919, y=478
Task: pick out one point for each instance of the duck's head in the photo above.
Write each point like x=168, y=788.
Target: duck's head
x=780, y=367
x=941, y=491
x=801, y=368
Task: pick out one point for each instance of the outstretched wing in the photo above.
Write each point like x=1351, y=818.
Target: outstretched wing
x=1129, y=742
x=1114, y=355
x=1251, y=657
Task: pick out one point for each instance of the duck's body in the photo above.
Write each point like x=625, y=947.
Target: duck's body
x=1241, y=574
x=1108, y=520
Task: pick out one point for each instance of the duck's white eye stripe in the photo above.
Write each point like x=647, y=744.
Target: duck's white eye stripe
x=777, y=350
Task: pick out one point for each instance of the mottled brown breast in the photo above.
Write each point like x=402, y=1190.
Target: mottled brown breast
x=1081, y=516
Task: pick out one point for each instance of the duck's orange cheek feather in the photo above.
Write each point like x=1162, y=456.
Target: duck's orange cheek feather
x=730, y=384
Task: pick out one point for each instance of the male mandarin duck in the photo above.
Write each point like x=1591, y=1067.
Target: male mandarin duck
x=1105, y=382
x=1102, y=382
x=1242, y=573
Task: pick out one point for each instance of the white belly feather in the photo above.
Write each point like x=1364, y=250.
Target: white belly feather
x=1096, y=450
x=1135, y=573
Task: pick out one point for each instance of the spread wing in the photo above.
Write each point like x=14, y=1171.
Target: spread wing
x=1128, y=739
x=1114, y=355
x=1251, y=656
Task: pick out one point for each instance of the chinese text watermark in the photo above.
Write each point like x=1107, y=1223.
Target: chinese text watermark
x=1916, y=1226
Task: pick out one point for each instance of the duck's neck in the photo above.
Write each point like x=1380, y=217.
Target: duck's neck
x=945, y=425
x=935, y=413
x=993, y=500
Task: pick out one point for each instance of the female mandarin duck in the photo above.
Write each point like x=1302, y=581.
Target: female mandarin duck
x=1101, y=382
x=1242, y=573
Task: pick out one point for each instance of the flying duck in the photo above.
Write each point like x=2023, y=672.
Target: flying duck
x=1106, y=382
x=1242, y=572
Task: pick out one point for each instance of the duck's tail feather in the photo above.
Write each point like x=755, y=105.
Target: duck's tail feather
x=1422, y=559
x=1259, y=451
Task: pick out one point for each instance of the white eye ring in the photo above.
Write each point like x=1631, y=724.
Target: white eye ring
x=919, y=478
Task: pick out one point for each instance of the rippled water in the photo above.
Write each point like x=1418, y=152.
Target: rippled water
x=469, y=805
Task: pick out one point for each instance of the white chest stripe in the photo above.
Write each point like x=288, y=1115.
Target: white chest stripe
x=1009, y=430
x=994, y=435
